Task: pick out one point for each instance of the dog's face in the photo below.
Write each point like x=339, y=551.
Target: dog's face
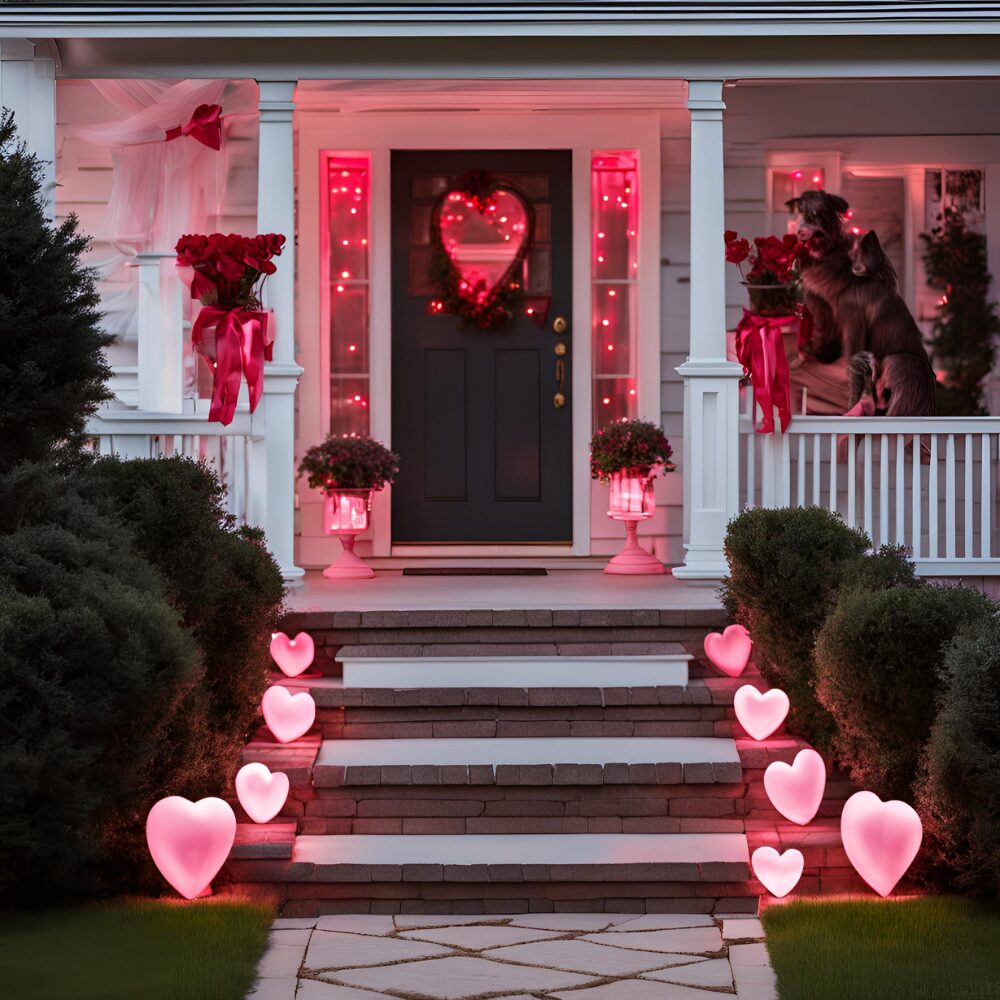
x=869, y=259
x=818, y=220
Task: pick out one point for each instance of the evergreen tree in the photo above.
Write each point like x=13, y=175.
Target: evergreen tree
x=966, y=325
x=52, y=365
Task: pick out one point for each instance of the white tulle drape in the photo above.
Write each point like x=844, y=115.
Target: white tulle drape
x=160, y=190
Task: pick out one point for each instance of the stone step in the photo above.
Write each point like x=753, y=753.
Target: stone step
x=506, y=874
x=500, y=665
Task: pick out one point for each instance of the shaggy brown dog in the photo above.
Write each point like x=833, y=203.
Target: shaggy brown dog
x=821, y=228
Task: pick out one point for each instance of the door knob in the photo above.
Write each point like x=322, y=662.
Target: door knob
x=560, y=350
x=559, y=325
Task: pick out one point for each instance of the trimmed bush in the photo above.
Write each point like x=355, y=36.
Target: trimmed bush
x=958, y=794
x=878, y=659
x=785, y=568
x=97, y=679
x=221, y=579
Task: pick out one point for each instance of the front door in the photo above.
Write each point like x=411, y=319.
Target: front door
x=486, y=452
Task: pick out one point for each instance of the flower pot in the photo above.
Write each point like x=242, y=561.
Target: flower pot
x=346, y=514
x=773, y=300
x=631, y=500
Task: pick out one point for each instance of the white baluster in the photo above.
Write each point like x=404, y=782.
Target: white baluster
x=900, y=490
x=161, y=337
x=950, y=485
x=986, y=501
x=916, y=449
x=932, y=500
x=883, y=490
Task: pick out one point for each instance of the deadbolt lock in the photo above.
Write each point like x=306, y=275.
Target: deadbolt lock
x=560, y=350
x=559, y=400
x=559, y=325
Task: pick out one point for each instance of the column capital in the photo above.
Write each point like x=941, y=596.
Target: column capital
x=706, y=95
x=276, y=96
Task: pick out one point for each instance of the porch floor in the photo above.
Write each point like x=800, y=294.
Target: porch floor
x=559, y=590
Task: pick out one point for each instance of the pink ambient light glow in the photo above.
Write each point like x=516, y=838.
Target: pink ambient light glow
x=190, y=841
x=881, y=838
x=760, y=714
x=778, y=873
x=796, y=789
x=288, y=715
x=261, y=792
x=293, y=656
x=729, y=650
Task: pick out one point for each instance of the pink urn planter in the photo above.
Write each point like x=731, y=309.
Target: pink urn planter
x=631, y=500
x=346, y=515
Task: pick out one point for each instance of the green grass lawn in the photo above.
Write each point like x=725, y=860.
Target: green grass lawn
x=937, y=948
x=133, y=949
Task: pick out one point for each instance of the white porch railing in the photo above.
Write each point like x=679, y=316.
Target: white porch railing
x=928, y=483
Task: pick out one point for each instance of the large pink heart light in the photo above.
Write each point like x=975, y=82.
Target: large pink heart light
x=778, y=873
x=881, y=838
x=288, y=715
x=261, y=793
x=729, y=650
x=796, y=789
x=292, y=655
x=760, y=714
x=190, y=841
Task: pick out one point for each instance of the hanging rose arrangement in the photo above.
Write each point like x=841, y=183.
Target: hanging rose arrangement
x=772, y=275
x=231, y=330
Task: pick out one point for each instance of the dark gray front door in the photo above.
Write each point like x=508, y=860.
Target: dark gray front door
x=486, y=455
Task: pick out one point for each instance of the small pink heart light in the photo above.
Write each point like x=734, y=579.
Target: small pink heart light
x=796, y=789
x=778, y=873
x=881, y=838
x=288, y=715
x=760, y=714
x=729, y=650
x=261, y=792
x=190, y=841
x=293, y=656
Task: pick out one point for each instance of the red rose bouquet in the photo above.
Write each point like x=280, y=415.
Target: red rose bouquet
x=230, y=332
x=772, y=270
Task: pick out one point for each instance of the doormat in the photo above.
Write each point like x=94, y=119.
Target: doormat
x=474, y=571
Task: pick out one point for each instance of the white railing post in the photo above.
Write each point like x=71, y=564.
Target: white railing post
x=272, y=477
x=161, y=335
x=711, y=383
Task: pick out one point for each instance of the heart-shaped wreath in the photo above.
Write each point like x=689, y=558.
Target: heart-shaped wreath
x=467, y=275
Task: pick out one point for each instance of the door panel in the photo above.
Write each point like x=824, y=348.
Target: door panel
x=486, y=456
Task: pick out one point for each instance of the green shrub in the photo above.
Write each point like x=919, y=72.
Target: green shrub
x=958, y=794
x=785, y=567
x=878, y=658
x=223, y=581
x=97, y=679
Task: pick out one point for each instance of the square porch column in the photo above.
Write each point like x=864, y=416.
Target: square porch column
x=271, y=502
x=711, y=383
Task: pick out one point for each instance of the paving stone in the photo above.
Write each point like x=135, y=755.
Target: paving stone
x=693, y=940
x=280, y=960
x=742, y=929
x=476, y=938
x=317, y=989
x=664, y=921
x=755, y=982
x=635, y=989
x=359, y=923
x=291, y=923
x=566, y=923
x=274, y=989
x=333, y=950
x=744, y=955
x=714, y=973
x=584, y=956
x=462, y=976
x=412, y=921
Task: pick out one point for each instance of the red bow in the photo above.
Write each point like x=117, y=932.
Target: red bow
x=235, y=342
x=205, y=125
x=761, y=350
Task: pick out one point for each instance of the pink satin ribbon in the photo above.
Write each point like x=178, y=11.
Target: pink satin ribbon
x=235, y=343
x=760, y=348
x=205, y=125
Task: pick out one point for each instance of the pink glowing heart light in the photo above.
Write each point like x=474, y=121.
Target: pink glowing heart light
x=760, y=714
x=261, y=793
x=778, y=873
x=288, y=715
x=796, y=789
x=729, y=650
x=881, y=838
x=293, y=656
x=190, y=841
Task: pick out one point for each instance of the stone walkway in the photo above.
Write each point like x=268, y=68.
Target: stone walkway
x=552, y=956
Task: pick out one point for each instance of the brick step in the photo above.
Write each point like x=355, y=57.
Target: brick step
x=690, y=873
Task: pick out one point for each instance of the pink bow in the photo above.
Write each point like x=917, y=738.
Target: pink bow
x=205, y=125
x=761, y=350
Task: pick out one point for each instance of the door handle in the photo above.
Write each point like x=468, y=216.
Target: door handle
x=559, y=399
x=559, y=325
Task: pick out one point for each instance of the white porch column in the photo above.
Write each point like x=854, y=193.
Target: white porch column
x=161, y=334
x=28, y=88
x=711, y=383
x=273, y=479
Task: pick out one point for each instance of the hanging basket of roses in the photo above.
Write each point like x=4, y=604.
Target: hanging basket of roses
x=349, y=463
x=635, y=447
x=768, y=269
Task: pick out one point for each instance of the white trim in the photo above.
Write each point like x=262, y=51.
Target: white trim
x=378, y=134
